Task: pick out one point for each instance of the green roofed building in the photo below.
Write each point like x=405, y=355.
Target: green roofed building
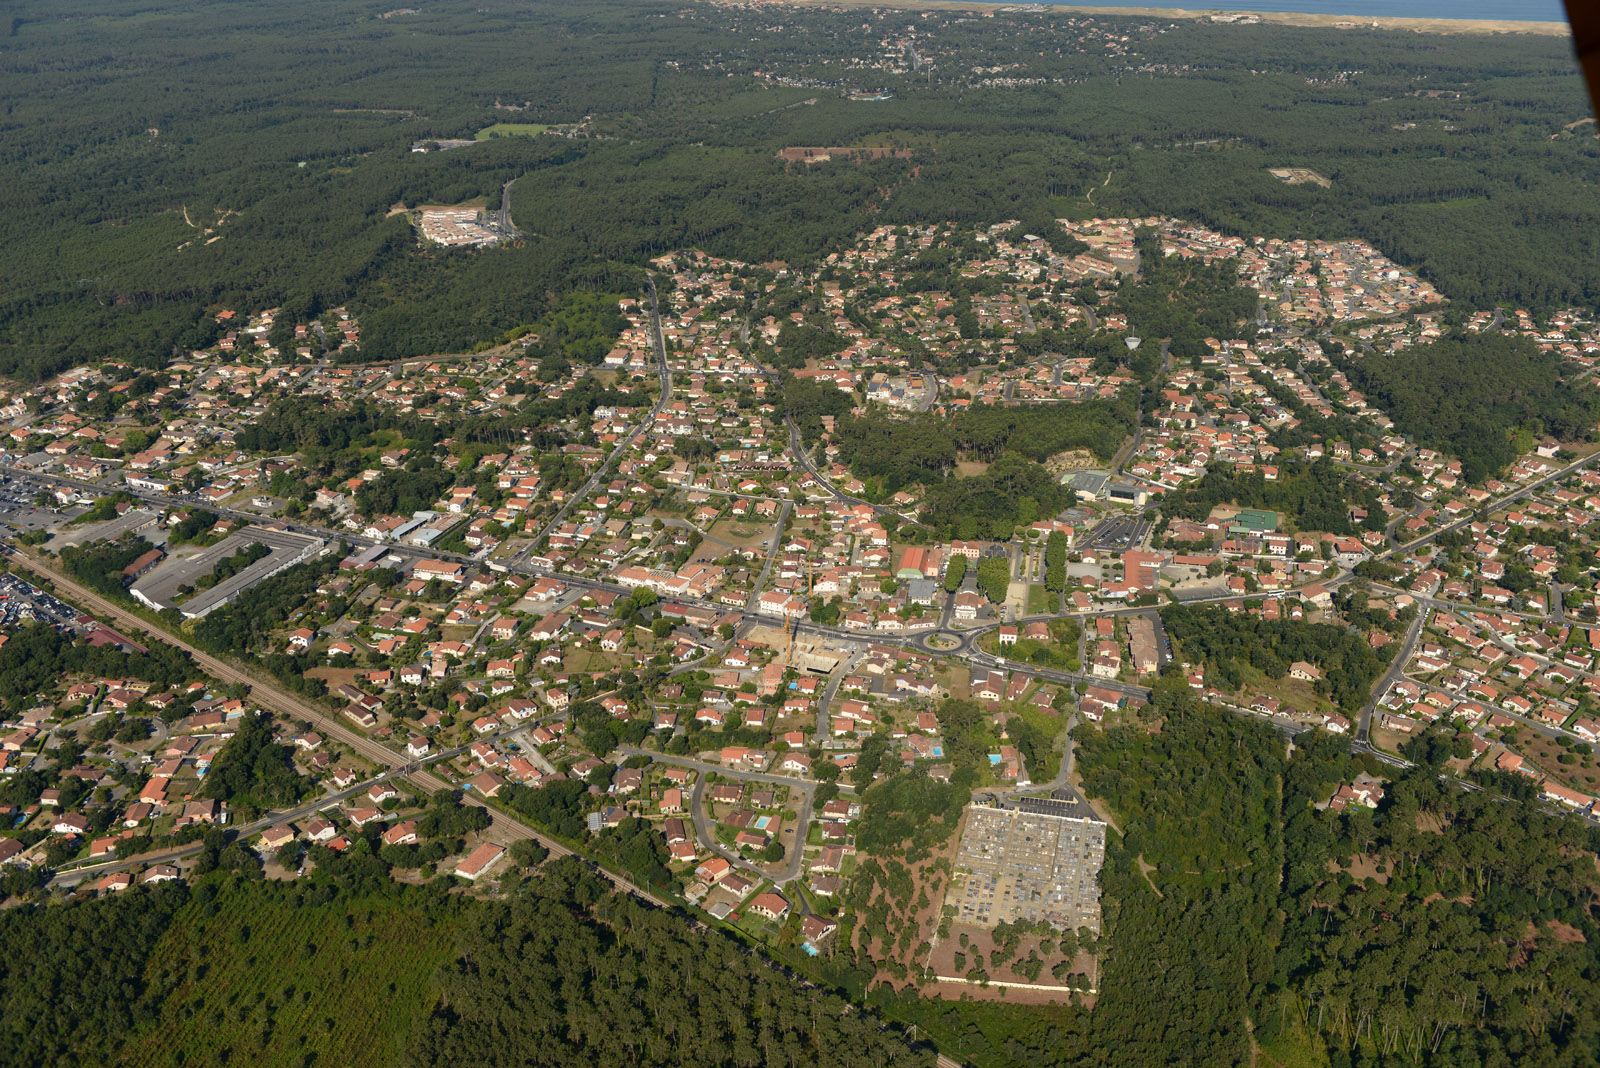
x=1255, y=521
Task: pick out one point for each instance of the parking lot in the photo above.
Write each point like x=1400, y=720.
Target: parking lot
x=1118, y=533
x=21, y=601
x=19, y=509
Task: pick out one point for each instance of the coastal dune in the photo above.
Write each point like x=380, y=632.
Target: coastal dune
x=1281, y=18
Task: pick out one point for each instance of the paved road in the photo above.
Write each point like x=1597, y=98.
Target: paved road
x=772, y=554
x=829, y=692
x=70, y=877
x=705, y=830
x=797, y=447
x=1397, y=669
x=600, y=472
x=1063, y=771
x=1461, y=611
x=933, y=389
x=803, y=458
x=718, y=769
x=1494, y=505
x=503, y=216
x=270, y=696
x=1131, y=449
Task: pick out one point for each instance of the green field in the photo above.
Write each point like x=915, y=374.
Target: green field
x=1041, y=600
x=511, y=129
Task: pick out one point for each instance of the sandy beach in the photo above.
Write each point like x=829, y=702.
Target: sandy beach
x=1281, y=18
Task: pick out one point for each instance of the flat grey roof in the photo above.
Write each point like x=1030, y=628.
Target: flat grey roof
x=159, y=589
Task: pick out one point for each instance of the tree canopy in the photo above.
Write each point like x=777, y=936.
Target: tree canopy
x=1472, y=395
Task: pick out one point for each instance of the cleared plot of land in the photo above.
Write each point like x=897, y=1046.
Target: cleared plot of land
x=742, y=533
x=1299, y=176
x=477, y=203
x=915, y=918
x=1583, y=774
x=335, y=677
x=824, y=153
x=580, y=660
x=406, y=112
x=1071, y=460
x=511, y=129
x=951, y=957
x=728, y=535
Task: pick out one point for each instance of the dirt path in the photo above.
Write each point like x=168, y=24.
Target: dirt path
x=1075, y=780
x=1102, y=185
x=1145, y=868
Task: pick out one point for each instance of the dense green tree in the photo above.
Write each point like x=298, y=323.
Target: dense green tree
x=994, y=576
x=581, y=975
x=954, y=573
x=1470, y=395
x=253, y=770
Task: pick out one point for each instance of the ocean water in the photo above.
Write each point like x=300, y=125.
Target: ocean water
x=1514, y=10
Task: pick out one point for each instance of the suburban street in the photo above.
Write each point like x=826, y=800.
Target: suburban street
x=270, y=696
x=622, y=447
x=1390, y=677
x=704, y=827
x=772, y=554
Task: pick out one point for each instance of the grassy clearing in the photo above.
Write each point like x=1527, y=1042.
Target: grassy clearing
x=511, y=129
x=1052, y=726
x=743, y=535
x=1041, y=600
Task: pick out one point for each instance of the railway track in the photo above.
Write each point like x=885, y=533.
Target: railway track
x=274, y=698
x=270, y=696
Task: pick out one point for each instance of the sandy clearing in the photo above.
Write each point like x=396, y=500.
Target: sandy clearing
x=1280, y=18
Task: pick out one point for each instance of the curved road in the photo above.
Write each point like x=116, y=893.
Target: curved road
x=703, y=824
